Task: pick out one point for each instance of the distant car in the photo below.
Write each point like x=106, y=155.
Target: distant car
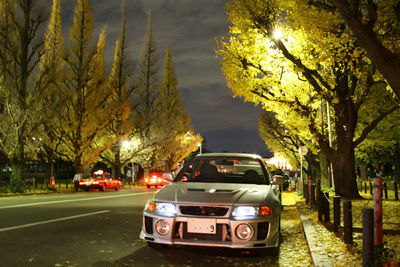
x=217, y=200
x=100, y=180
x=155, y=179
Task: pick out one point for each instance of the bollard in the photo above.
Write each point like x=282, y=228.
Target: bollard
x=313, y=200
x=368, y=236
x=385, y=190
x=396, y=193
x=336, y=213
x=305, y=194
x=310, y=193
x=320, y=204
x=347, y=222
x=378, y=212
x=327, y=212
x=318, y=198
x=370, y=189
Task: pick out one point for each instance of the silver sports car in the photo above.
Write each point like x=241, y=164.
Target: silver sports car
x=218, y=200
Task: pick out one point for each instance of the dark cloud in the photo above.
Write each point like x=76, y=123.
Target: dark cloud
x=191, y=28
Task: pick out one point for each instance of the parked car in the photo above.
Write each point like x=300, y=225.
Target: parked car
x=155, y=179
x=100, y=180
x=217, y=200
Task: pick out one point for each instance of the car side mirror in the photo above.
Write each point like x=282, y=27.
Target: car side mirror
x=278, y=179
x=168, y=176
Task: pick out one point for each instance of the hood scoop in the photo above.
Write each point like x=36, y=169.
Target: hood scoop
x=195, y=190
x=223, y=191
x=213, y=190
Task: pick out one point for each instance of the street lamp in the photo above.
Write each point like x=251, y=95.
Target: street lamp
x=131, y=145
x=199, y=147
x=302, y=151
x=277, y=34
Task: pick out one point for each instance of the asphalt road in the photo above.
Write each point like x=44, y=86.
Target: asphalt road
x=96, y=229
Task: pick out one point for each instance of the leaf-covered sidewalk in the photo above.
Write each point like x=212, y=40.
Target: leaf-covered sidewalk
x=332, y=247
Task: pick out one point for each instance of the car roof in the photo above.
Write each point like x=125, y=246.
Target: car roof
x=240, y=155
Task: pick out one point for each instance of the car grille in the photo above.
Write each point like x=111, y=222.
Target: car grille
x=203, y=210
x=223, y=233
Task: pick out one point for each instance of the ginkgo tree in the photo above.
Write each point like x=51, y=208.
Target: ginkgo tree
x=178, y=137
x=28, y=78
x=376, y=25
x=122, y=106
x=280, y=139
x=313, y=62
x=87, y=110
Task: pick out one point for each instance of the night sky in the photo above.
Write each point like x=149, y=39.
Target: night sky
x=191, y=28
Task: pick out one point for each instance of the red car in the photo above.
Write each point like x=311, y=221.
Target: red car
x=156, y=180
x=100, y=180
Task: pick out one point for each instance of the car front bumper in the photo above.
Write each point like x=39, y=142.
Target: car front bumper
x=265, y=232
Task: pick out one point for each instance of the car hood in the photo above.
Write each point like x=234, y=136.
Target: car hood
x=215, y=193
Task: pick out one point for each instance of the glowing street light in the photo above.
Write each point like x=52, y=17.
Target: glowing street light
x=277, y=34
x=131, y=145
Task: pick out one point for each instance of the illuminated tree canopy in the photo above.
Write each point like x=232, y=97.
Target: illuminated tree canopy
x=315, y=62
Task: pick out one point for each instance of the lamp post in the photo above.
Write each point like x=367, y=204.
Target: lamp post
x=131, y=145
x=302, y=151
x=199, y=148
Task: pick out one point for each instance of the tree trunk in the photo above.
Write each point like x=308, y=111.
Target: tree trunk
x=78, y=166
x=49, y=171
x=344, y=174
x=117, y=163
x=16, y=172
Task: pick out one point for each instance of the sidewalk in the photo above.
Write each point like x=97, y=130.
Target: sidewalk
x=327, y=250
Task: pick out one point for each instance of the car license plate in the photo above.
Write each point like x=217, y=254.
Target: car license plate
x=203, y=226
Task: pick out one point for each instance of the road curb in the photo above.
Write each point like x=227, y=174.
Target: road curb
x=320, y=259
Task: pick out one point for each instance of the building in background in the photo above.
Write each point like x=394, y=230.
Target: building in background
x=279, y=161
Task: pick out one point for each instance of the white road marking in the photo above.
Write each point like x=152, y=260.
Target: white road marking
x=51, y=221
x=68, y=200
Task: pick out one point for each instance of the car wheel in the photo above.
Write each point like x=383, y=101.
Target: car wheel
x=148, y=186
x=87, y=189
x=117, y=188
x=156, y=245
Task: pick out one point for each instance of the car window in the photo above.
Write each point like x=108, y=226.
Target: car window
x=224, y=170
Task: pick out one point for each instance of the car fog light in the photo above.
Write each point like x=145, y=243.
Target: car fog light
x=162, y=227
x=244, y=231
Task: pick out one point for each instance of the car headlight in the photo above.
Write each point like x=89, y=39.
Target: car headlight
x=161, y=207
x=168, y=208
x=245, y=211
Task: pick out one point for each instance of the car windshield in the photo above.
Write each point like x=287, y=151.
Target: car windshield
x=224, y=170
